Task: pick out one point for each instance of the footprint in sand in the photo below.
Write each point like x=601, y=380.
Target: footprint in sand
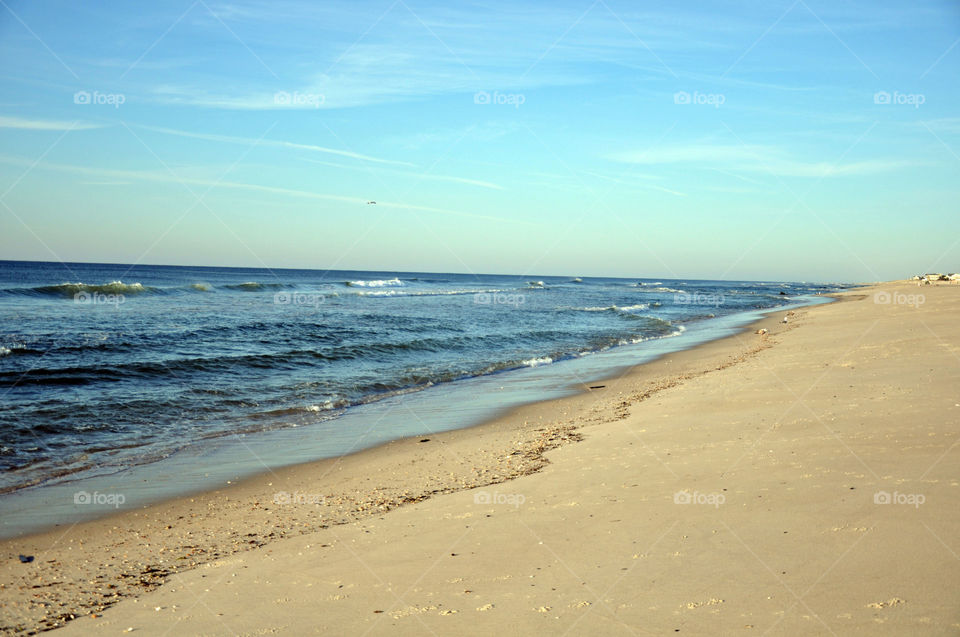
x=485, y=607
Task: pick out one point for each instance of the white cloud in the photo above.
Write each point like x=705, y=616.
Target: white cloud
x=44, y=124
x=272, y=143
x=755, y=158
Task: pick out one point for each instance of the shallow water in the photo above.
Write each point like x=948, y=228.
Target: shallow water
x=103, y=367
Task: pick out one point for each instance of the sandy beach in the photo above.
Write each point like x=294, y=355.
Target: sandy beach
x=803, y=481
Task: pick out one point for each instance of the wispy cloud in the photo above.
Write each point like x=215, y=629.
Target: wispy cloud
x=756, y=158
x=411, y=174
x=118, y=174
x=272, y=143
x=321, y=149
x=943, y=124
x=44, y=124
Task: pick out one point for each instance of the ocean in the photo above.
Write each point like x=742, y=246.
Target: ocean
x=104, y=367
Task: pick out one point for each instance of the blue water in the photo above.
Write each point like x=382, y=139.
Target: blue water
x=107, y=366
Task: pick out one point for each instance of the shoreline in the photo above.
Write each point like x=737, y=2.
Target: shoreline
x=474, y=468
x=802, y=483
x=45, y=507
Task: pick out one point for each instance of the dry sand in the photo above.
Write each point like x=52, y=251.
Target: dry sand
x=740, y=487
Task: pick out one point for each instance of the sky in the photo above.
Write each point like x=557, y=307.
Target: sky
x=801, y=140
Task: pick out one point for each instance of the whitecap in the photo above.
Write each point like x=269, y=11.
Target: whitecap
x=534, y=362
x=376, y=283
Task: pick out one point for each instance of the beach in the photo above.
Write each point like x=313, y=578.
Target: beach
x=799, y=481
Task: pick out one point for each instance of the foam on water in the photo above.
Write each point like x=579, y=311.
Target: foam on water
x=376, y=283
x=534, y=362
x=612, y=308
x=666, y=289
x=379, y=293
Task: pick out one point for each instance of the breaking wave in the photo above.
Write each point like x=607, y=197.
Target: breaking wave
x=375, y=283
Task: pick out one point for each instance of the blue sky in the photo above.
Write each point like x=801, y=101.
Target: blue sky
x=800, y=140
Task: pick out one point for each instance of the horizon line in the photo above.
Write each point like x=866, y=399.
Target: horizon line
x=320, y=269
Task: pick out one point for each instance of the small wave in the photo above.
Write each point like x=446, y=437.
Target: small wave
x=665, y=289
x=677, y=331
x=201, y=287
x=535, y=284
x=325, y=406
x=376, y=283
x=253, y=286
x=328, y=405
x=576, y=280
x=68, y=290
x=648, y=284
x=382, y=293
x=5, y=351
x=534, y=362
x=610, y=308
